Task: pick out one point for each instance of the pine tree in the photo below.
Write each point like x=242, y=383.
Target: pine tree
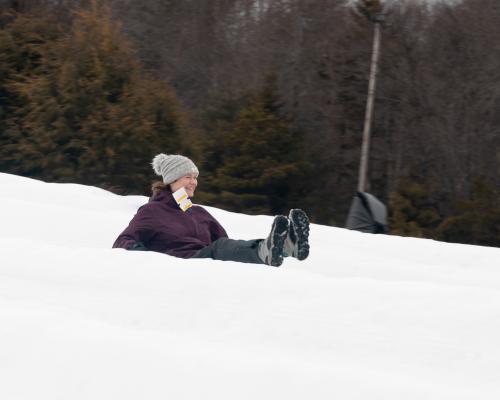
x=23, y=42
x=88, y=116
x=477, y=220
x=255, y=157
x=413, y=212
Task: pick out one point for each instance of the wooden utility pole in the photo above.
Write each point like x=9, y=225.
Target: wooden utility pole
x=365, y=147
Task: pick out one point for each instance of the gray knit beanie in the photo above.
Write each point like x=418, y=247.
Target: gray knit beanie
x=172, y=167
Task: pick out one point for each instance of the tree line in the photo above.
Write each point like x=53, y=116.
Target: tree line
x=268, y=98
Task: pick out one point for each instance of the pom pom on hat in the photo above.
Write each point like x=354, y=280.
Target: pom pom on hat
x=158, y=162
x=172, y=167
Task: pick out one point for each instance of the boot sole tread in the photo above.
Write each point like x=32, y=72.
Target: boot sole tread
x=280, y=230
x=301, y=228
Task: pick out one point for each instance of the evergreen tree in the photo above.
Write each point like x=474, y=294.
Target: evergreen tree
x=254, y=157
x=23, y=41
x=412, y=210
x=478, y=219
x=473, y=221
x=88, y=116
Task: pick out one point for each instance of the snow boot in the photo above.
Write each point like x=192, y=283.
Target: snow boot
x=297, y=240
x=271, y=249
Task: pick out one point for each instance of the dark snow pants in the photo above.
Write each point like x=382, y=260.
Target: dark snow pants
x=224, y=249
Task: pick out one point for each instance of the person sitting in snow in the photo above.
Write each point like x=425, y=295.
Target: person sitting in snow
x=170, y=224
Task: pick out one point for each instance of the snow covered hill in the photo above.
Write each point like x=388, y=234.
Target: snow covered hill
x=365, y=317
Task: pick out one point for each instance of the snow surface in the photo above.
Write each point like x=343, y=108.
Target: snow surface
x=364, y=317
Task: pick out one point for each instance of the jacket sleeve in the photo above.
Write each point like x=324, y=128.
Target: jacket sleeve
x=138, y=233
x=216, y=230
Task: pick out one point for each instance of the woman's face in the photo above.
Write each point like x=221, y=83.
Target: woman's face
x=188, y=182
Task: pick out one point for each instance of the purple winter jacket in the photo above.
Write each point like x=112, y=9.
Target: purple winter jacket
x=163, y=227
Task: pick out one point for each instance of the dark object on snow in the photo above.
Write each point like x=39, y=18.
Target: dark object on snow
x=367, y=214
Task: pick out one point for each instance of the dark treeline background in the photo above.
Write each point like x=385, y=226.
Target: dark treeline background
x=268, y=98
